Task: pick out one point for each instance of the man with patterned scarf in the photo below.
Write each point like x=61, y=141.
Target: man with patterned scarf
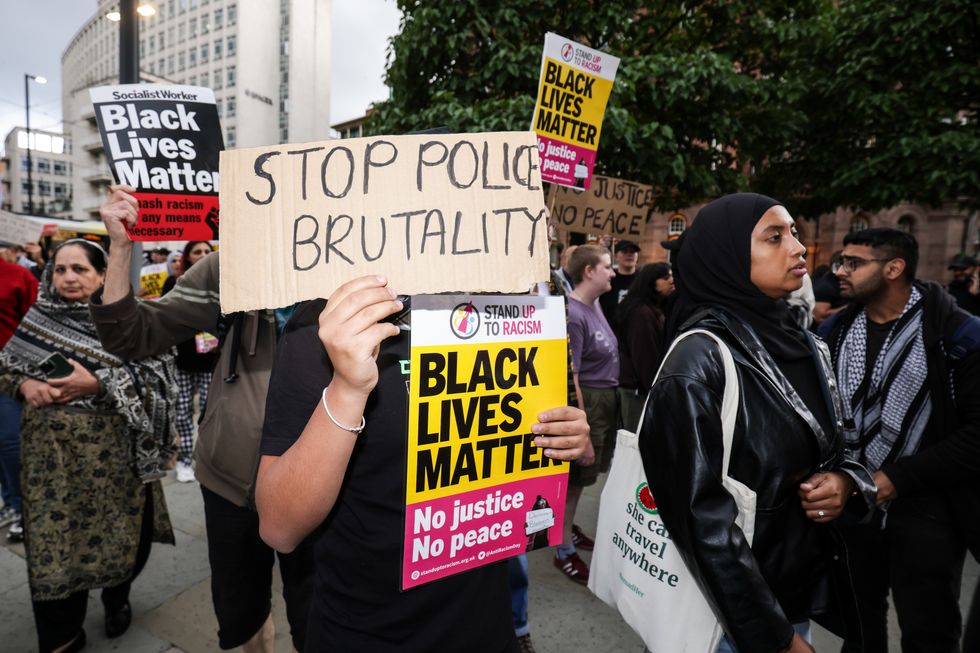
x=908, y=365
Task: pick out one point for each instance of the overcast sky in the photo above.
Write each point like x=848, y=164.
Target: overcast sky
x=36, y=33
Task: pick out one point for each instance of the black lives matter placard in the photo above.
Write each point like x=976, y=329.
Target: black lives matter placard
x=164, y=141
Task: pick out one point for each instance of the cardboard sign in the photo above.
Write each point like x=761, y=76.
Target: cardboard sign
x=164, y=141
x=18, y=230
x=152, y=278
x=572, y=95
x=461, y=212
x=477, y=489
x=611, y=206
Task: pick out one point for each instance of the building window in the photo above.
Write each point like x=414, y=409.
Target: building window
x=153, y=47
x=192, y=80
x=163, y=41
x=192, y=57
x=170, y=65
x=60, y=168
x=160, y=67
x=204, y=53
x=181, y=61
x=230, y=136
x=232, y=43
x=218, y=79
x=44, y=188
x=44, y=166
x=204, y=79
x=232, y=14
x=61, y=190
x=172, y=8
x=219, y=106
x=906, y=223
x=230, y=107
x=23, y=164
x=25, y=187
x=219, y=18
x=142, y=48
x=676, y=226
x=232, y=75
x=858, y=223
x=192, y=28
x=170, y=36
x=182, y=32
x=217, y=50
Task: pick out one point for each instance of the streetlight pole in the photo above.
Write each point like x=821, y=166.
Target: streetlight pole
x=129, y=37
x=30, y=165
x=129, y=73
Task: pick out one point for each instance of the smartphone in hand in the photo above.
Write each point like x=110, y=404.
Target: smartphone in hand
x=56, y=366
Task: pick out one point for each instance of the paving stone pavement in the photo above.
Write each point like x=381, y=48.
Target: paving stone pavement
x=173, y=614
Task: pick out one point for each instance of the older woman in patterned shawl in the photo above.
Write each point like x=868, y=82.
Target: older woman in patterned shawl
x=95, y=442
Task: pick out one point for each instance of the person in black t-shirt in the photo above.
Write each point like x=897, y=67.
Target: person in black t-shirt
x=321, y=473
x=627, y=255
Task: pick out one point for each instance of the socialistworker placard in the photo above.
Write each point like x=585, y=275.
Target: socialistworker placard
x=477, y=489
x=572, y=95
x=435, y=213
x=164, y=140
x=611, y=206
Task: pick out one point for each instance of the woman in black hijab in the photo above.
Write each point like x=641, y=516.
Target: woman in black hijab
x=736, y=263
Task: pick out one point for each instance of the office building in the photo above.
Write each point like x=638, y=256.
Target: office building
x=268, y=62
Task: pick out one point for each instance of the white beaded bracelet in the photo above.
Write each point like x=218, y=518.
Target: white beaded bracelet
x=356, y=430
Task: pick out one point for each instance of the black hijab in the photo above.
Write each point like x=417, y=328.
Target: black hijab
x=713, y=266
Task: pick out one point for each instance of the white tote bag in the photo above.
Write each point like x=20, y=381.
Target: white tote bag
x=635, y=566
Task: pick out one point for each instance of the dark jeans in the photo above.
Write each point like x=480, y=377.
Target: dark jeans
x=919, y=555
x=518, y=578
x=60, y=621
x=10, y=451
x=241, y=574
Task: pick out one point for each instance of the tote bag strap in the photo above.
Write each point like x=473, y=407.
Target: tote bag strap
x=729, y=400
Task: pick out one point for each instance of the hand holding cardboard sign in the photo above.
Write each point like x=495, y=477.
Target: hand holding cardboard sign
x=119, y=211
x=351, y=330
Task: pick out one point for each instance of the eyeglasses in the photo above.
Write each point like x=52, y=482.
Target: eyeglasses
x=851, y=263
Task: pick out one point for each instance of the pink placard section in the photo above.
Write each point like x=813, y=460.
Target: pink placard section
x=565, y=164
x=449, y=535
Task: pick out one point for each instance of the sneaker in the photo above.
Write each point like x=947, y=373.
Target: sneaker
x=581, y=540
x=574, y=568
x=524, y=644
x=16, y=532
x=8, y=516
x=185, y=473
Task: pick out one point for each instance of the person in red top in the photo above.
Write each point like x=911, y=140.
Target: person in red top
x=18, y=289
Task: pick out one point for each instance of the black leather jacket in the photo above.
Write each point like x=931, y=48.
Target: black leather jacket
x=795, y=569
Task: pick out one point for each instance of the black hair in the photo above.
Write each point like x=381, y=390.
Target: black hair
x=185, y=257
x=643, y=290
x=892, y=243
x=93, y=252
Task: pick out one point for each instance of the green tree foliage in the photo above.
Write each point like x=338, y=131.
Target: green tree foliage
x=696, y=95
x=822, y=103
x=890, y=94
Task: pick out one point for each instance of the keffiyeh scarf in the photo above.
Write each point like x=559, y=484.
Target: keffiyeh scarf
x=890, y=409
x=141, y=391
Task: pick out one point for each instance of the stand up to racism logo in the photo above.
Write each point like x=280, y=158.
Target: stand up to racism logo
x=465, y=321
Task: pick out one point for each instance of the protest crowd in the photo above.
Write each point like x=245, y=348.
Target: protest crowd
x=856, y=433
x=792, y=445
